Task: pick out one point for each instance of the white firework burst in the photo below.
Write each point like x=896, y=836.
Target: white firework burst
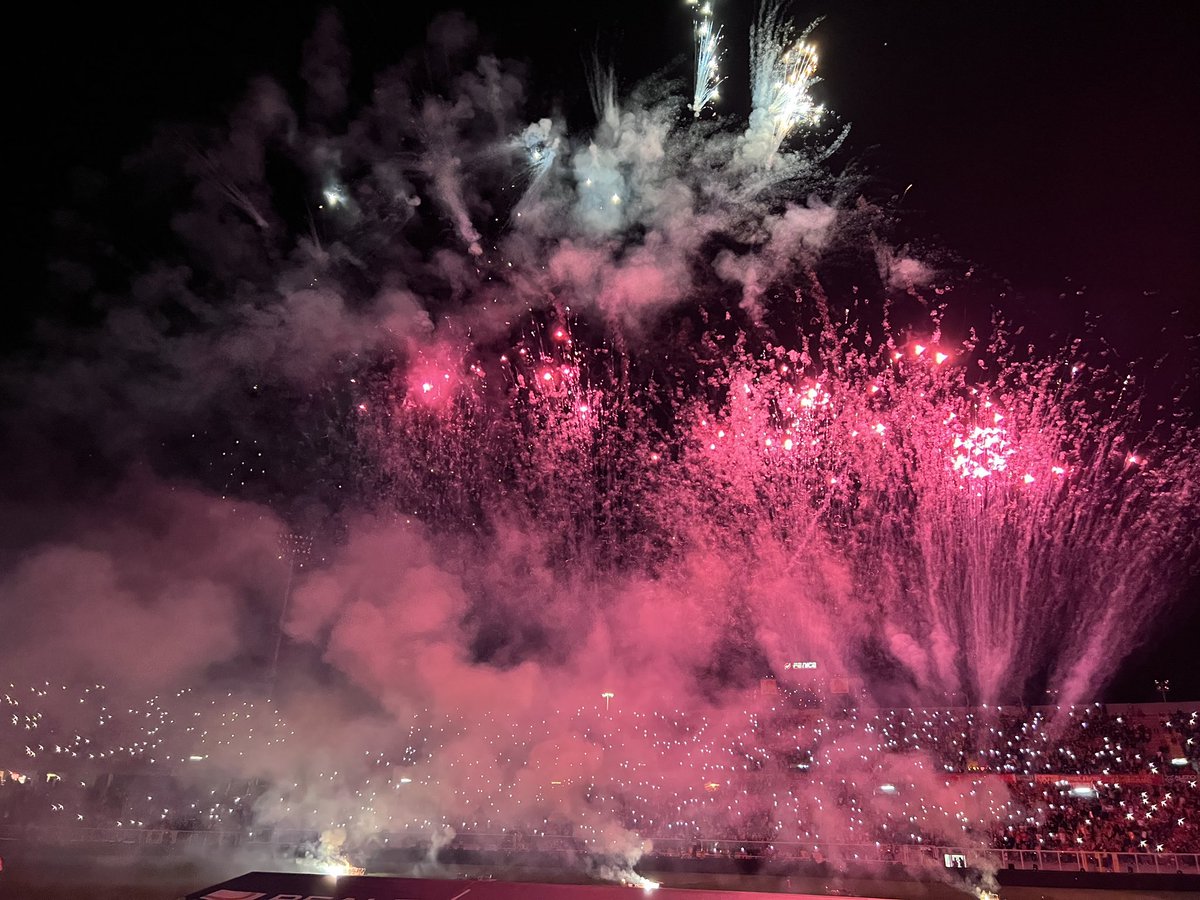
x=783, y=70
x=708, y=56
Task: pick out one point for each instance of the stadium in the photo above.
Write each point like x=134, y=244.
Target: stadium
x=1030, y=796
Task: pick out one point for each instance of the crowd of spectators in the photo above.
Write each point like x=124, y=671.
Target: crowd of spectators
x=1089, y=778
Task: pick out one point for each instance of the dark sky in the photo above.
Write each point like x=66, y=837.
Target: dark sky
x=1055, y=145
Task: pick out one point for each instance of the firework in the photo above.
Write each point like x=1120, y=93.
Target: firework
x=783, y=71
x=650, y=415
x=708, y=57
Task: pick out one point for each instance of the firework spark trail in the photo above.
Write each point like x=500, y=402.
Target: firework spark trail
x=783, y=71
x=881, y=493
x=708, y=57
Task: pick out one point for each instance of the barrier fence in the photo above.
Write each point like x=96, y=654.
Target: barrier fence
x=518, y=843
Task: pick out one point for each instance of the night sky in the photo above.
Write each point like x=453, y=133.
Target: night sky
x=1052, y=146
